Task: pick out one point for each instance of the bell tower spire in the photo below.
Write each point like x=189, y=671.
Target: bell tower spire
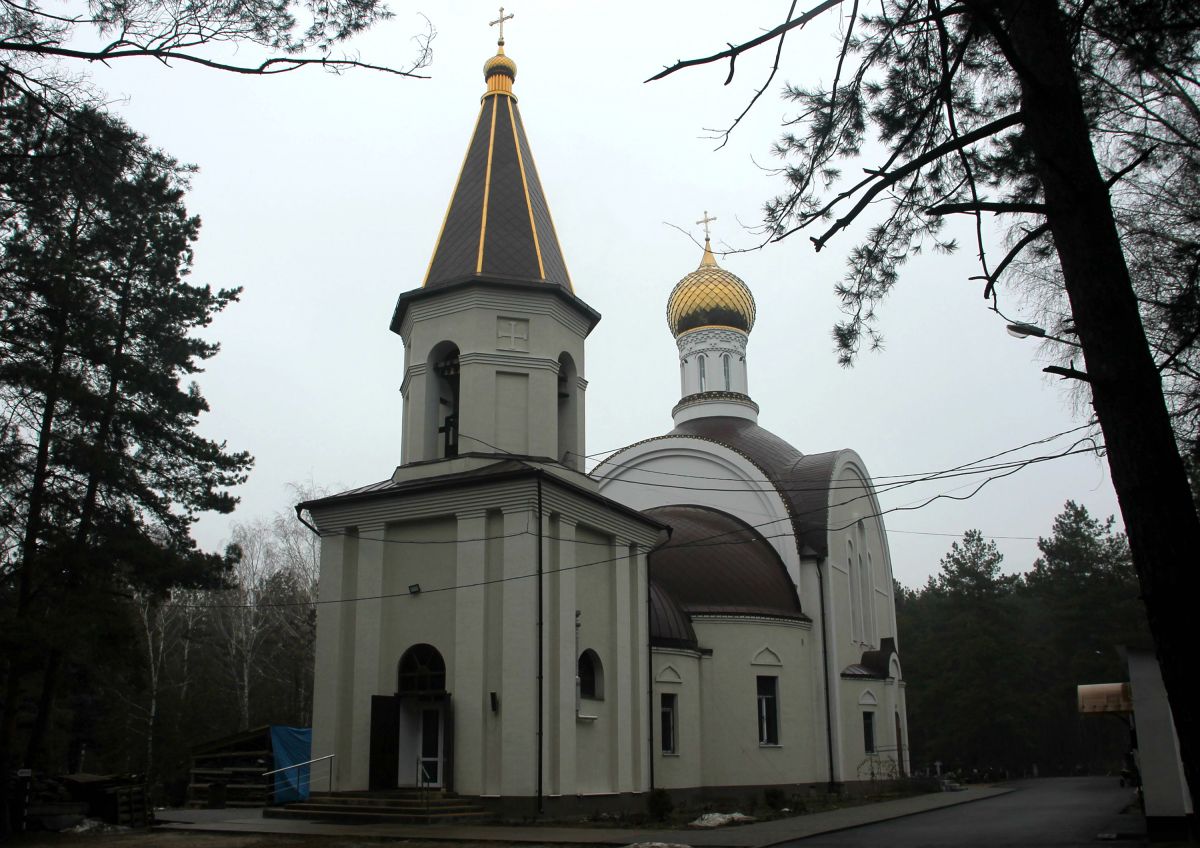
x=494, y=336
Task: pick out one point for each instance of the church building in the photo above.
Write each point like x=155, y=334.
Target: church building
x=708, y=609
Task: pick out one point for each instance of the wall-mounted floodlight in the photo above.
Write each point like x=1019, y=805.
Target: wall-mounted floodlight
x=414, y=589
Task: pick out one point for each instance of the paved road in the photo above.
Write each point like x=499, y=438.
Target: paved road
x=1047, y=813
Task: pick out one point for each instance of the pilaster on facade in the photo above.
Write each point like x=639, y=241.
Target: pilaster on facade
x=333, y=706
x=368, y=638
x=625, y=714
x=563, y=705
x=471, y=701
x=518, y=698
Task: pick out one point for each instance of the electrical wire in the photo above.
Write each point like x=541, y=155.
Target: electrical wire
x=703, y=542
x=1041, y=441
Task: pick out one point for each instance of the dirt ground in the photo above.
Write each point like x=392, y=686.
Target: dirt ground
x=189, y=839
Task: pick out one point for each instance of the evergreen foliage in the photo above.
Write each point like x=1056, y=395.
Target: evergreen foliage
x=993, y=660
x=102, y=471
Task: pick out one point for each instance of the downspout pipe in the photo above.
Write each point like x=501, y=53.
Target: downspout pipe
x=300, y=515
x=825, y=662
x=541, y=624
x=650, y=673
x=666, y=537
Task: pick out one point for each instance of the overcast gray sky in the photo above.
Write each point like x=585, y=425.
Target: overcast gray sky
x=322, y=196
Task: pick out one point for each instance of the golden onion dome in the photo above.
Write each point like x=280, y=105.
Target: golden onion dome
x=710, y=296
x=500, y=64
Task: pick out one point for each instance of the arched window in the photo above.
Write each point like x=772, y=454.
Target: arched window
x=725, y=367
x=868, y=579
x=852, y=574
x=568, y=413
x=422, y=671
x=441, y=398
x=703, y=377
x=591, y=676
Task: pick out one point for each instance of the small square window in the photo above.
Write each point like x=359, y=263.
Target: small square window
x=670, y=737
x=768, y=710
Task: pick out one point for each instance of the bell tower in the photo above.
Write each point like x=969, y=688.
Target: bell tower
x=494, y=337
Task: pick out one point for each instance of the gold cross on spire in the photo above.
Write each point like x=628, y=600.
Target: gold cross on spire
x=706, y=221
x=500, y=22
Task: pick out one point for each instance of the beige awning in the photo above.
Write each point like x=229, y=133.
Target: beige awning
x=1105, y=698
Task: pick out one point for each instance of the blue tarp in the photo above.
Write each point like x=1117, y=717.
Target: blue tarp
x=291, y=745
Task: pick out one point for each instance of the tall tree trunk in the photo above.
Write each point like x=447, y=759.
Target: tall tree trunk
x=17, y=666
x=45, y=707
x=1147, y=471
x=80, y=559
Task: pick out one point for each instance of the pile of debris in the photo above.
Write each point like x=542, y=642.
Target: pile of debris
x=74, y=800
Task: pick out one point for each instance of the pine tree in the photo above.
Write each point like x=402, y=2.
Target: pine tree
x=103, y=472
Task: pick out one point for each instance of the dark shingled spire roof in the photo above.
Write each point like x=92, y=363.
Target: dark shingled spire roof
x=498, y=226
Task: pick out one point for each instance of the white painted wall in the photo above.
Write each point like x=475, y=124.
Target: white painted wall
x=743, y=649
x=593, y=561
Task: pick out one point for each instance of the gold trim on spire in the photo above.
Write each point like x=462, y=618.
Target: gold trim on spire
x=442, y=230
x=487, y=186
x=550, y=217
x=537, y=247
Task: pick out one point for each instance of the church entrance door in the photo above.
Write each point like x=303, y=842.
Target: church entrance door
x=423, y=725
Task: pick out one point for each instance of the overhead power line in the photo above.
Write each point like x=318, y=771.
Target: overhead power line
x=708, y=541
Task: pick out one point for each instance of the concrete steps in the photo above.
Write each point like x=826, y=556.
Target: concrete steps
x=398, y=807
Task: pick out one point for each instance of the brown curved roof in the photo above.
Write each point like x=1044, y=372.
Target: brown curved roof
x=803, y=482
x=716, y=564
x=670, y=626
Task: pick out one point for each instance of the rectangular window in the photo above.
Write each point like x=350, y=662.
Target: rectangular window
x=768, y=710
x=869, y=731
x=670, y=739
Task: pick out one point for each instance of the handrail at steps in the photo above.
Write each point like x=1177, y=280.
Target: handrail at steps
x=298, y=765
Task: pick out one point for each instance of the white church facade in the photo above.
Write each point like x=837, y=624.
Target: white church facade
x=707, y=609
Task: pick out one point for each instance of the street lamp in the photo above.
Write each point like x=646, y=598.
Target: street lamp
x=1021, y=330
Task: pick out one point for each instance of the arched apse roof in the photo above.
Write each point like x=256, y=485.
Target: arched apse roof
x=716, y=564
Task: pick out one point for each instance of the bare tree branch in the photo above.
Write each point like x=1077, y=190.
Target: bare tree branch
x=736, y=50
x=275, y=65
x=979, y=206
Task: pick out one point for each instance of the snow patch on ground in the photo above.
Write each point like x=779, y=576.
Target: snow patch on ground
x=95, y=826
x=720, y=819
